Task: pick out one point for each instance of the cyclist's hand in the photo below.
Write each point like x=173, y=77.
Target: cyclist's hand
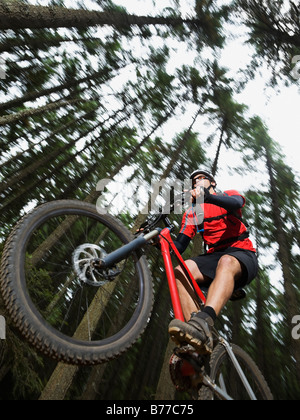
x=199, y=192
x=142, y=228
x=154, y=242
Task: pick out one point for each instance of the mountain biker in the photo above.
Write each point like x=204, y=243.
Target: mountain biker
x=229, y=264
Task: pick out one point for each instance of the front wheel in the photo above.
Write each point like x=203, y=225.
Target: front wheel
x=61, y=302
x=224, y=374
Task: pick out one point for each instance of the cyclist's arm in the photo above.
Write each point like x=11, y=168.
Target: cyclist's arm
x=187, y=232
x=182, y=242
x=229, y=203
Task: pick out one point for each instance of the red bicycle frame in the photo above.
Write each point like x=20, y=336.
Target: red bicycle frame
x=167, y=245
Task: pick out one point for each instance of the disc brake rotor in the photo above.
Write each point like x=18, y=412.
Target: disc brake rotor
x=83, y=261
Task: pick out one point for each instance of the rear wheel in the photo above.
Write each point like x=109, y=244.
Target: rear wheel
x=60, y=302
x=225, y=375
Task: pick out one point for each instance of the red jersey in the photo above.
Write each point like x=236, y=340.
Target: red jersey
x=222, y=229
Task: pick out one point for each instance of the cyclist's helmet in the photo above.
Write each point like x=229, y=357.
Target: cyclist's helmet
x=204, y=172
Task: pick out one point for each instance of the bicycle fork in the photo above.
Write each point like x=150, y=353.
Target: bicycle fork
x=215, y=388
x=239, y=370
x=187, y=354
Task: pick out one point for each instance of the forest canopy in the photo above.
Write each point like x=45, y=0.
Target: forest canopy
x=90, y=92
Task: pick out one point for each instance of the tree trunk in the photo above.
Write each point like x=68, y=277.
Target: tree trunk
x=47, y=157
x=104, y=73
x=63, y=375
x=291, y=304
x=10, y=45
x=165, y=389
x=60, y=130
x=27, y=113
x=216, y=161
x=17, y=15
x=173, y=159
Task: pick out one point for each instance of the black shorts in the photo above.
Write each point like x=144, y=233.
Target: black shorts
x=208, y=263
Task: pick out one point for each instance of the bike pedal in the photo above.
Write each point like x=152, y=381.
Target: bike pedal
x=186, y=349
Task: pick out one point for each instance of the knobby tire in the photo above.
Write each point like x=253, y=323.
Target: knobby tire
x=219, y=358
x=28, y=319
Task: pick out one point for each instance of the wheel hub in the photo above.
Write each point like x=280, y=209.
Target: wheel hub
x=84, y=265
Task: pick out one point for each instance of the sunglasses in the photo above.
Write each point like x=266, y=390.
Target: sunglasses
x=200, y=178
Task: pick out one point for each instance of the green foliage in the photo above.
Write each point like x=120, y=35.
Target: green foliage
x=273, y=29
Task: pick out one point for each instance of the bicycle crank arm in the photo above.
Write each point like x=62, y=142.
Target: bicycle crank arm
x=121, y=254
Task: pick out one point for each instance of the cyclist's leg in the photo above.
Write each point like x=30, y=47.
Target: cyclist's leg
x=187, y=295
x=229, y=271
x=198, y=330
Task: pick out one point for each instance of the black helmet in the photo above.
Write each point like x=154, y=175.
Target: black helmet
x=204, y=172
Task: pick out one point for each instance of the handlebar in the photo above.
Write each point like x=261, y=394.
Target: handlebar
x=126, y=250
x=149, y=231
x=153, y=221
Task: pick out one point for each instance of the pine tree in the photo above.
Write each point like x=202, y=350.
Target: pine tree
x=274, y=33
x=19, y=15
x=264, y=146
